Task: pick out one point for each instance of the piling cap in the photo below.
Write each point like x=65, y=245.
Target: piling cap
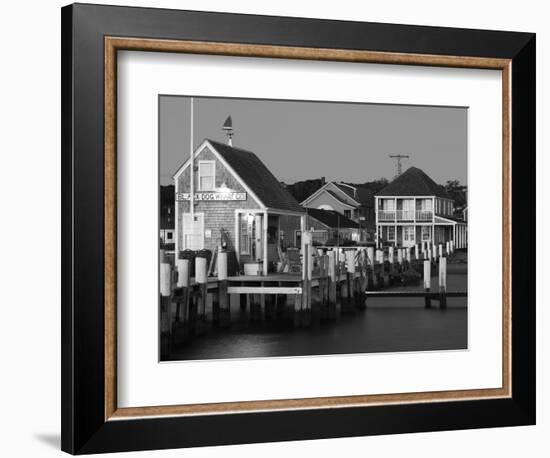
x=202, y=254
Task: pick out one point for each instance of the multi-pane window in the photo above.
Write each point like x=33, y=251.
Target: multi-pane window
x=347, y=213
x=408, y=233
x=391, y=233
x=206, y=175
x=425, y=233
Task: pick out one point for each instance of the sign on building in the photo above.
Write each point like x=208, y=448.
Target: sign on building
x=211, y=196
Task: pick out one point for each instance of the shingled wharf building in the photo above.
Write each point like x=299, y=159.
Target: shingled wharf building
x=238, y=203
x=413, y=208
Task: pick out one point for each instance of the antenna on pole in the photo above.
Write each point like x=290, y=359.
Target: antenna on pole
x=398, y=158
x=228, y=127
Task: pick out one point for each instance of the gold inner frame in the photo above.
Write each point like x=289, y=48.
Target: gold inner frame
x=114, y=44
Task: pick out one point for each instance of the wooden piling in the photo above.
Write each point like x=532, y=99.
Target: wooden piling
x=201, y=279
x=427, y=283
x=183, y=283
x=370, y=270
x=303, y=315
x=243, y=304
x=391, y=259
x=370, y=256
x=165, y=309
x=332, y=297
x=181, y=296
x=442, y=283
x=224, y=314
x=349, y=302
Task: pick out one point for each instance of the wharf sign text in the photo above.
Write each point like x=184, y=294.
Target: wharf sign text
x=214, y=196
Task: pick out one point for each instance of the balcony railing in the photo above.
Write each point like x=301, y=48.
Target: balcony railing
x=405, y=215
x=386, y=215
x=423, y=215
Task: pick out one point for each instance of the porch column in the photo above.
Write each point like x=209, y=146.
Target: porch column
x=238, y=236
x=454, y=233
x=258, y=235
x=433, y=221
x=264, y=233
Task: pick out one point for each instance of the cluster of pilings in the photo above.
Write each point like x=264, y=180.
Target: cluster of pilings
x=333, y=281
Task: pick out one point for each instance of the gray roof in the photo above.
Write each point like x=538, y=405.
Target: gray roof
x=258, y=178
x=362, y=195
x=413, y=182
x=332, y=218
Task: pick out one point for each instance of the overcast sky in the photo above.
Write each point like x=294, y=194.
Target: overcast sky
x=306, y=140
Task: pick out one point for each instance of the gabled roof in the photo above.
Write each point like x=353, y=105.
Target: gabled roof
x=360, y=194
x=357, y=194
x=257, y=177
x=332, y=218
x=339, y=199
x=413, y=182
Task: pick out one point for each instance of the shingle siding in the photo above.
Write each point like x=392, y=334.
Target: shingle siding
x=217, y=214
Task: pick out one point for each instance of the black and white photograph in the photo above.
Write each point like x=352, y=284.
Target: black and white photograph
x=300, y=228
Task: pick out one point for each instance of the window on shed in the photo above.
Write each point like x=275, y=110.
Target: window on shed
x=206, y=175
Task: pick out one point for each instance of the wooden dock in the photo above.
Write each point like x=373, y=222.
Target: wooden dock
x=332, y=282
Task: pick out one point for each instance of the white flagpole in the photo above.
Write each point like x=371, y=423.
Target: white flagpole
x=191, y=168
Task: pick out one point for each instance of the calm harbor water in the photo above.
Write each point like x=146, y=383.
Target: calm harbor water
x=387, y=325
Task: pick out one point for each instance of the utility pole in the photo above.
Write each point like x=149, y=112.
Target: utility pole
x=398, y=158
x=191, y=167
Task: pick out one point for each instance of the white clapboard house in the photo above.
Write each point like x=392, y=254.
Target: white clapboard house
x=413, y=209
x=237, y=202
x=353, y=202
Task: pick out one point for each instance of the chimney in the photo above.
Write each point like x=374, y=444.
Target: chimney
x=323, y=181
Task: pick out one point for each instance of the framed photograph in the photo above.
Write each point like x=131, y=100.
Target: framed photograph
x=281, y=228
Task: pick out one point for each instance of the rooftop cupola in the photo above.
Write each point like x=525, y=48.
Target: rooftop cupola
x=228, y=128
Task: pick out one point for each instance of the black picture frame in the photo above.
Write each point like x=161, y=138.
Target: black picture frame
x=84, y=428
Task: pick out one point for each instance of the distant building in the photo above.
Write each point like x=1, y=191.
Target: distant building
x=330, y=227
x=238, y=203
x=413, y=209
x=353, y=202
x=167, y=218
x=303, y=189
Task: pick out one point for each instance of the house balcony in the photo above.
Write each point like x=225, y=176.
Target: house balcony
x=405, y=215
x=423, y=215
